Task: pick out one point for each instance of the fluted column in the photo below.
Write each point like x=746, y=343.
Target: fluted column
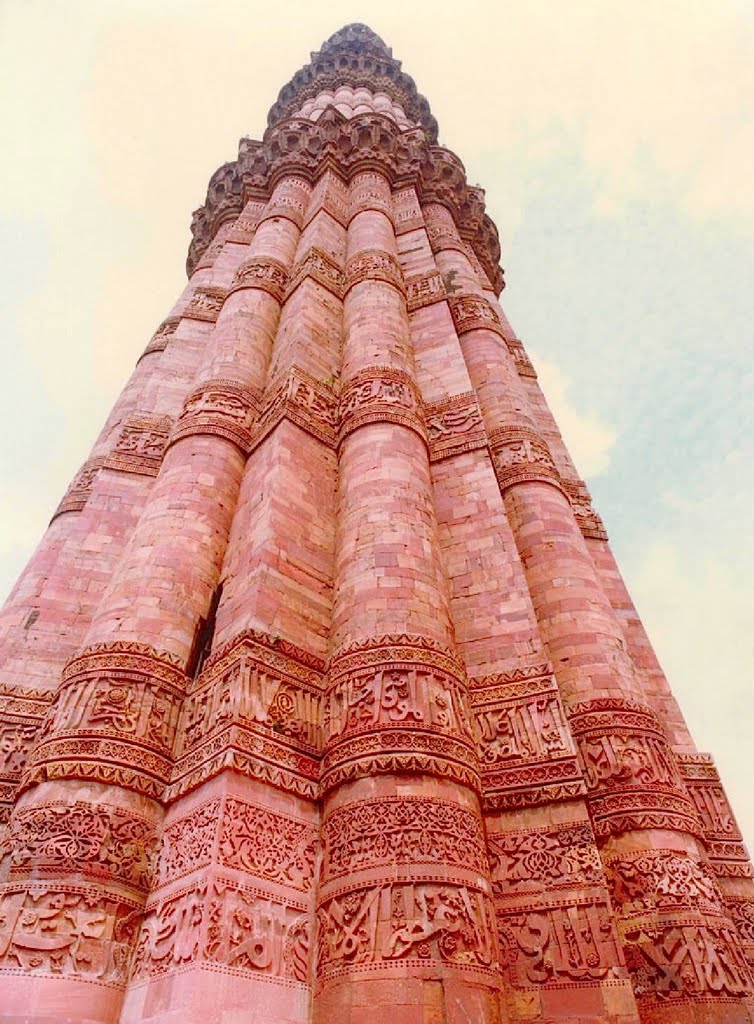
x=49, y=610
x=640, y=811
x=105, y=753
x=546, y=874
x=404, y=918
x=244, y=788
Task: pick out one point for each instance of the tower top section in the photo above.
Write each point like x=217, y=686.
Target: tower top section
x=355, y=56
x=351, y=109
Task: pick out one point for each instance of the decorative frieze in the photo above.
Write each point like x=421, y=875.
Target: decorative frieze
x=544, y=860
x=235, y=833
x=265, y=274
x=722, y=838
x=140, y=445
x=574, y=940
x=424, y=290
x=304, y=401
x=161, y=337
x=256, y=707
x=454, y=425
x=370, y=191
x=113, y=719
x=401, y=831
x=220, y=922
x=223, y=408
x=474, y=313
x=376, y=928
x=520, y=455
x=521, y=359
x=80, y=488
x=374, y=265
x=94, y=840
x=321, y=267
x=673, y=963
x=205, y=304
x=586, y=518
x=397, y=703
x=524, y=745
x=66, y=930
x=380, y=394
x=630, y=771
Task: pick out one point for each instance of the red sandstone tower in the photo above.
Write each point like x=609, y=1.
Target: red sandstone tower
x=323, y=698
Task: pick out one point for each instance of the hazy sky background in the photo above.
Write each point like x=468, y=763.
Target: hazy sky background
x=615, y=141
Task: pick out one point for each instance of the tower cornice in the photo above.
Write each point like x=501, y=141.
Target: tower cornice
x=304, y=148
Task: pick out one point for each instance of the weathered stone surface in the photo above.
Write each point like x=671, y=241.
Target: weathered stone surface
x=322, y=699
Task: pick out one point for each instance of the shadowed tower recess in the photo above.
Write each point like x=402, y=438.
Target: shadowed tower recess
x=323, y=698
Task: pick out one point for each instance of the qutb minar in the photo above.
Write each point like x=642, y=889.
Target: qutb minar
x=323, y=699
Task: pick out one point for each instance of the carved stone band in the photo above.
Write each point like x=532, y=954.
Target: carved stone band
x=264, y=273
x=320, y=267
x=374, y=265
x=520, y=358
x=380, y=394
x=220, y=407
x=521, y=455
x=118, y=702
x=454, y=425
x=424, y=290
x=588, y=521
x=370, y=191
x=631, y=774
x=161, y=336
x=397, y=704
x=722, y=838
x=474, y=313
x=140, y=446
x=205, y=304
x=80, y=488
x=304, y=401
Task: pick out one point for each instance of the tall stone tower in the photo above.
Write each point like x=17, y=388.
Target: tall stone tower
x=323, y=698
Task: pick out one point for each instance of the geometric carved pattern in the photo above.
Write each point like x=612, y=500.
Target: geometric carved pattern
x=95, y=840
x=722, y=839
x=454, y=425
x=540, y=859
x=525, y=751
x=395, y=701
x=221, y=407
x=238, y=834
x=302, y=400
x=520, y=454
x=386, y=927
x=630, y=771
x=140, y=445
x=380, y=394
x=401, y=831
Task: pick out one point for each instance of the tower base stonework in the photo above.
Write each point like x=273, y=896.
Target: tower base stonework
x=349, y=717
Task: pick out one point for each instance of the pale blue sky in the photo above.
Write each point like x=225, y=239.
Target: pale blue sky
x=615, y=141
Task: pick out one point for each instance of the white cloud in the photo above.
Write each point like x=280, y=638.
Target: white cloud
x=587, y=437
